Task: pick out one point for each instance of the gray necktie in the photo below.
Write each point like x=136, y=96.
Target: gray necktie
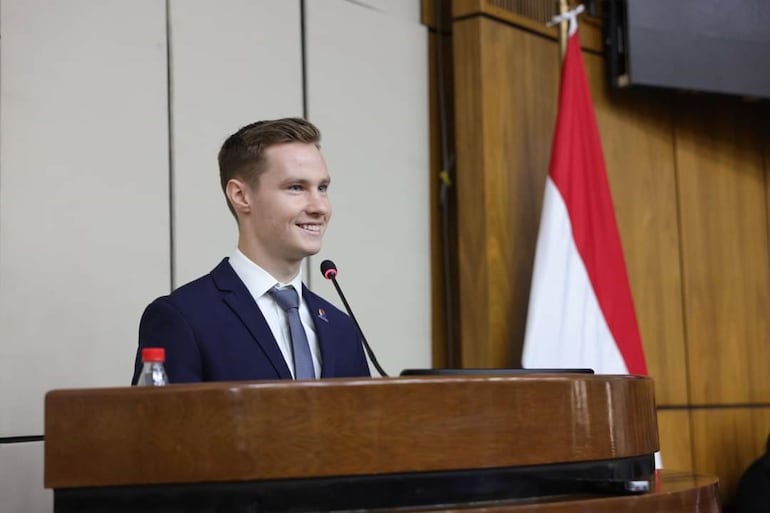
x=303, y=361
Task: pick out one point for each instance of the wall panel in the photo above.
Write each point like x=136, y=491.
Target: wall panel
x=83, y=194
x=21, y=479
x=368, y=93
x=675, y=433
x=724, y=250
x=231, y=65
x=84, y=224
x=504, y=123
x=470, y=184
x=727, y=440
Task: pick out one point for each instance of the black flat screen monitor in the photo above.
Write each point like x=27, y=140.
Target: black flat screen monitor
x=718, y=46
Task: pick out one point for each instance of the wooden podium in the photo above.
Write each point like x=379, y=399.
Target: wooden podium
x=549, y=442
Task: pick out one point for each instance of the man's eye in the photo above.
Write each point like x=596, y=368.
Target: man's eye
x=323, y=188
x=295, y=187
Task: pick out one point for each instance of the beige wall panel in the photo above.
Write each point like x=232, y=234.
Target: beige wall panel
x=21, y=479
x=368, y=93
x=675, y=434
x=637, y=138
x=233, y=62
x=83, y=194
x=720, y=166
x=727, y=440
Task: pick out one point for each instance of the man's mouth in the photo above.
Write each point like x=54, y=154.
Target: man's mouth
x=315, y=228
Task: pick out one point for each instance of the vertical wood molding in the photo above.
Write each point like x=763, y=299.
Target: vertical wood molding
x=506, y=86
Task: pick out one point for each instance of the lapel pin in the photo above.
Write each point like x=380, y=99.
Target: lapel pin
x=322, y=315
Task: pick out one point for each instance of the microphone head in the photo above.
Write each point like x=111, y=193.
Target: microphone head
x=328, y=269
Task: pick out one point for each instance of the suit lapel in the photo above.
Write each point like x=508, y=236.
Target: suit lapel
x=238, y=298
x=324, y=330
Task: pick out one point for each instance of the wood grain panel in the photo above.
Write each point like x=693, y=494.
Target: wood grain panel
x=473, y=271
x=343, y=427
x=677, y=492
x=520, y=91
x=727, y=440
x=722, y=193
x=675, y=432
x=637, y=138
x=503, y=147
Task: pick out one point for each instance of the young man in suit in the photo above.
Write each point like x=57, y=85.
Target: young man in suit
x=251, y=317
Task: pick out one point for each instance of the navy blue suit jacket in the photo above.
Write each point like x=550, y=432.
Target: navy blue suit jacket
x=213, y=330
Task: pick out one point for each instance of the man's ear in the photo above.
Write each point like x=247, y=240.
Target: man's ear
x=238, y=195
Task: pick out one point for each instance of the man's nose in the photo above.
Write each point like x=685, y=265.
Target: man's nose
x=318, y=203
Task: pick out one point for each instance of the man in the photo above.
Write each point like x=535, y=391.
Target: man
x=752, y=495
x=238, y=322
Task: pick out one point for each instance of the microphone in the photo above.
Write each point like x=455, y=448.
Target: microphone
x=329, y=271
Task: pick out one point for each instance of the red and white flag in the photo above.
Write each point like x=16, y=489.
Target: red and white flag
x=581, y=314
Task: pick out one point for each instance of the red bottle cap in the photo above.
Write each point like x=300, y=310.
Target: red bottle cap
x=153, y=354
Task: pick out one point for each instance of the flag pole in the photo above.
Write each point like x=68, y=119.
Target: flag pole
x=563, y=28
x=567, y=22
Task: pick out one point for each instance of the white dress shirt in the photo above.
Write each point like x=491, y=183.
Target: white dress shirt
x=259, y=282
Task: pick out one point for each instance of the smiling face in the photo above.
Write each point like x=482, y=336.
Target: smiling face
x=283, y=217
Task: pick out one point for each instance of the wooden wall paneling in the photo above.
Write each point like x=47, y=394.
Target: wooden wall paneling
x=675, y=435
x=469, y=140
x=504, y=127
x=521, y=80
x=724, y=250
x=637, y=138
x=727, y=440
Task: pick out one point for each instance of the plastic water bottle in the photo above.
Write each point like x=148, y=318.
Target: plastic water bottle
x=153, y=373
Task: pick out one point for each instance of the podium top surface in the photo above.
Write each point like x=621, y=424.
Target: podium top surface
x=241, y=431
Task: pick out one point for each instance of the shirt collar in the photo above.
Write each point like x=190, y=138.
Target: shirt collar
x=258, y=280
